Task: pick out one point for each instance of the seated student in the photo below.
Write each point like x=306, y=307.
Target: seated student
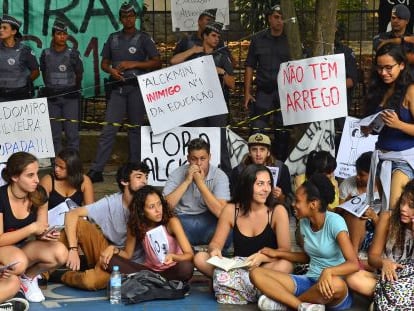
x=68, y=180
x=24, y=237
x=320, y=162
x=256, y=221
x=149, y=210
x=361, y=229
x=393, y=242
x=198, y=192
x=110, y=214
x=259, y=153
x=327, y=248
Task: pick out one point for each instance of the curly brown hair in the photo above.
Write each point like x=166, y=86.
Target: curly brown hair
x=138, y=224
x=397, y=229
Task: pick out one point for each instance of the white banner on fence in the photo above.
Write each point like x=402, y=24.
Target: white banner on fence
x=318, y=136
x=165, y=152
x=313, y=89
x=182, y=93
x=25, y=126
x=185, y=13
x=353, y=144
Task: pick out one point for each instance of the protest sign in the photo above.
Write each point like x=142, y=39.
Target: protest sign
x=275, y=174
x=236, y=146
x=165, y=152
x=89, y=24
x=353, y=144
x=182, y=93
x=313, y=89
x=318, y=136
x=185, y=13
x=25, y=126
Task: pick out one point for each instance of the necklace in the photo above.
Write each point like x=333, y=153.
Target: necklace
x=17, y=197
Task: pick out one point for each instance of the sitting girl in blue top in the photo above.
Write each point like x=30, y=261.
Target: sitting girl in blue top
x=327, y=249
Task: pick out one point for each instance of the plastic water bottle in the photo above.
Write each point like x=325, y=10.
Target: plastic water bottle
x=115, y=286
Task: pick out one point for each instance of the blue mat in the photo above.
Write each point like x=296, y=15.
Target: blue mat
x=59, y=297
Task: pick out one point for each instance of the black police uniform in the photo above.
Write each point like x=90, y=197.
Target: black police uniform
x=125, y=97
x=60, y=71
x=16, y=65
x=266, y=53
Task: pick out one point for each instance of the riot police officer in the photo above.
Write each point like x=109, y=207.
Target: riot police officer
x=18, y=64
x=125, y=55
x=62, y=71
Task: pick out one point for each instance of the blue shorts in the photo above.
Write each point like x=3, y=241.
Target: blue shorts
x=303, y=283
x=403, y=167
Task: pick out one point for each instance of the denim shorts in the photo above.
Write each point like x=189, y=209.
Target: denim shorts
x=403, y=167
x=303, y=283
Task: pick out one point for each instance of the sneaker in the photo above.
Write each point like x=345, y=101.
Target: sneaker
x=15, y=304
x=95, y=176
x=31, y=289
x=267, y=304
x=306, y=306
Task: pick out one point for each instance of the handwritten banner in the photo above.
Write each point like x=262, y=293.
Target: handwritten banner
x=185, y=13
x=182, y=93
x=313, y=89
x=165, y=152
x=353, y=144
x=25, y=126
x=89, y=22
x=318, y=136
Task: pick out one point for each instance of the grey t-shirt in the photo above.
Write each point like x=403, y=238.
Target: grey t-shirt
x=192, y=203
x=110, y=214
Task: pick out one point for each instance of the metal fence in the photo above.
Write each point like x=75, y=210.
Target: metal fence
x=359, y=25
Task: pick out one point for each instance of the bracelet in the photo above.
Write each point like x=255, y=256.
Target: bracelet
x=73, y=248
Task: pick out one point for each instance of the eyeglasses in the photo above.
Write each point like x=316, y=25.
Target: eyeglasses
x=387, y=68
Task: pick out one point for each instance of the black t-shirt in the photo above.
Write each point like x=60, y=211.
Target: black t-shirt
x=10, y=222
x=266, y=53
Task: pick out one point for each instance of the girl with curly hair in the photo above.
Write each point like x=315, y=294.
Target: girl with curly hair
x=393, y=243
x=149, y=210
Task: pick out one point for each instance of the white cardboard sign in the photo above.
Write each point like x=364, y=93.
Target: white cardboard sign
x=165, y=152
x=25, y=126
x=185, y=13
x=182, y=93
x=313, y=89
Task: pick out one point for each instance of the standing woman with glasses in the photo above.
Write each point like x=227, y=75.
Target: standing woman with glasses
x=392, y=93
x=18, y=64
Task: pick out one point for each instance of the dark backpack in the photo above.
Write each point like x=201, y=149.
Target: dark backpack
x=146, y=285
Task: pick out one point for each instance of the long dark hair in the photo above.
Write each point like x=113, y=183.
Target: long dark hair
x=74, y=168
x=319, y=162
x=397, y=229
x=138, y=224
x=378, y=88
x=243, y=194
x=15, y=166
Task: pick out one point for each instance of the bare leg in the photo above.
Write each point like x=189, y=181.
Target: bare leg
x=276, y=285
x=44, y=256
x=200, y=261
x=9, y=287
x=398, y=182
x=362, y=282
x=356, y=228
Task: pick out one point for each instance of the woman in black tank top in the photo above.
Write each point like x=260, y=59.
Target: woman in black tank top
x=26, y=241
x=68, y=180
x=256, y=223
